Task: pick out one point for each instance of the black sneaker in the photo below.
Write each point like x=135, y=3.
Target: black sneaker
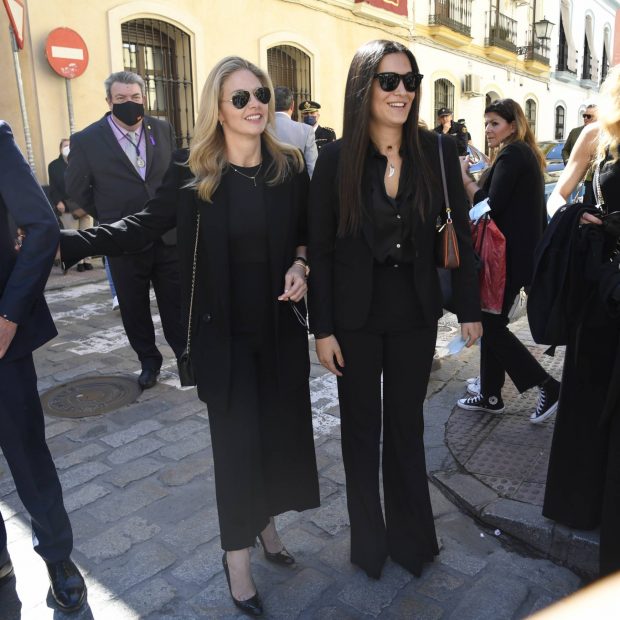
x=492, y=404
x=547, y=401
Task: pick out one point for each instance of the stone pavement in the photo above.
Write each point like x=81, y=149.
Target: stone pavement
x=138, y=484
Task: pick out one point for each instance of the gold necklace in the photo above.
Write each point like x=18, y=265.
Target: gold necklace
x=247, y=176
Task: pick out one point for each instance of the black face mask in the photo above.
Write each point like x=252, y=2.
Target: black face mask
x=129, y=112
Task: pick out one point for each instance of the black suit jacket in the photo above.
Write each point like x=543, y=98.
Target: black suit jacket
x=515, y=188
x=175, y=205
x=102, y=180
x=340, y=288
x=23, y=274
x=56, y=173
x=323, y=136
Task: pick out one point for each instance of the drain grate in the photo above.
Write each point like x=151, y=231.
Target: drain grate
x=90, y=396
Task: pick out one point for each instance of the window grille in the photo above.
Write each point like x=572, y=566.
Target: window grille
x=562, y=49
x=530, y=114
x=560, y=115
x=444, y=95
x=289, y=66
x=586, y=73
x=161, y=54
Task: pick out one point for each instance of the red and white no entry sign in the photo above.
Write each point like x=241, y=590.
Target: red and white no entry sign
x=66, y=52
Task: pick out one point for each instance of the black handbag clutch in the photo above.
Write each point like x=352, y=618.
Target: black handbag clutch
x=185, y=369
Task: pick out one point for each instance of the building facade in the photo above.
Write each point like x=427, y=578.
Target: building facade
x=470, y=51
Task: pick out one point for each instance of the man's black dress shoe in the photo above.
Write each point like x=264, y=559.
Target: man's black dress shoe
x=87, y=266
x=6, y=571
x=80, y=267
x=251, y=606
x=279, y=557
x=67, y=584
x=148, y=378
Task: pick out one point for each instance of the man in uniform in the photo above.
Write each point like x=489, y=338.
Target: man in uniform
x=310, y=115
x=447, y=126
x=115, y=165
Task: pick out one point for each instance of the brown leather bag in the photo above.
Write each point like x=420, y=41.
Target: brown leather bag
x=446, y=244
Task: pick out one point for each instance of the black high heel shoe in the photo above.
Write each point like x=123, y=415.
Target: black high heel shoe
x=284, y=558
x=251, y=606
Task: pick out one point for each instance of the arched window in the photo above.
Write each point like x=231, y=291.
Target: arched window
x=560, y=116
x=161, y=54
x=291, y=67
x=530, y=114
x=444, y=95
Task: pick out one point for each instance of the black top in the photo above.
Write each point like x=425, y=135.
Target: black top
x=249, y=256
x=459, y=132
x=391, y=216
x=515, y=188
x=56, y=173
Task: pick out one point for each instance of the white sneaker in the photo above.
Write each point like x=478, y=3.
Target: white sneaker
x=115, y=303
x=473, y=386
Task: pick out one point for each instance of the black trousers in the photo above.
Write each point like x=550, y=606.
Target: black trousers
x=22, y=439
x=502, y=352
x=263, y=446
x=395, y=343
x=133, y=275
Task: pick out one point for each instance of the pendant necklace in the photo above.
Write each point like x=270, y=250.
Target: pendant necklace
x=247, y=176
x=139, y=161
x=392, y=168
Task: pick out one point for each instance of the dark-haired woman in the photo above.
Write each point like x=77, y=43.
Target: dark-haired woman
x=248, y=345
x=375, y=299
x=513, y=190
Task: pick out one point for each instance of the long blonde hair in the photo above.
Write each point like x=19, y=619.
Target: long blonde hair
x=609, y=116
x=511, y=111
x=207, y=154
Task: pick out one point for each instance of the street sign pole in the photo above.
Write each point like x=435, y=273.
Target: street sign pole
x=22, y=101
x=70, y=107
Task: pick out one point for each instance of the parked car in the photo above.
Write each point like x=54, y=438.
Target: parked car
x=552, y=150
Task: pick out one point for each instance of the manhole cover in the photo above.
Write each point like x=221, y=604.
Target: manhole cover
x=90, y=396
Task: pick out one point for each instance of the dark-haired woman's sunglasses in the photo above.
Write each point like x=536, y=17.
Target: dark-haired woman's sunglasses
x=241, y=98
x=389, y=81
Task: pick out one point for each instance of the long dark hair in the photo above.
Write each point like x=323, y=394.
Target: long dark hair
x=511, y=111
x=356, y=137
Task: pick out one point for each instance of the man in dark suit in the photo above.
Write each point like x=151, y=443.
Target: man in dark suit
x=26, y=324
x=310, y=115
x=116, y=165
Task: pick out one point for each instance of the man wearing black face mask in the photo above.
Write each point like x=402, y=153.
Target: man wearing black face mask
x=310, y=116
x=115, y=166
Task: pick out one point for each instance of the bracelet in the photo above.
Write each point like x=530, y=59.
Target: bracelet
x=300, y=262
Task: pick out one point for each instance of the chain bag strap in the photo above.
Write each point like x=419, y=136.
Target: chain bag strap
x=598, y=194
x=184, y=363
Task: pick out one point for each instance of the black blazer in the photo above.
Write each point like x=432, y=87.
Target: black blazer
x=102, y=180
x=340, y=288
x=23, y=274
x=515, y=188
x=175, y=205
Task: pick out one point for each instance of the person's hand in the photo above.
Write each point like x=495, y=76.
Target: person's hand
x=21, y=235
x=471, y=332
x=465, y=165
x=326, y=350
x=588, y=218
x=60, y=207
x=295, y=286
x=7, y=333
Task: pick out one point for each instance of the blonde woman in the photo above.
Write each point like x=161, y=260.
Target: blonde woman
x=249, y=344
x=512, y=193
x=583, y=481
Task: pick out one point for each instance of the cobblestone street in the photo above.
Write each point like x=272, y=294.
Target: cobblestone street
x=138, y=484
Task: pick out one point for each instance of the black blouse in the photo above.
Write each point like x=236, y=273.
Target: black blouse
x=393, y=243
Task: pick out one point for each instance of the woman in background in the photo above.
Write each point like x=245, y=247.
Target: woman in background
x=512, y=194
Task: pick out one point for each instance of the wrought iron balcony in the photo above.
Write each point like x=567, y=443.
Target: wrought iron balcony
x=501, y=31
x=455, y=14
x=534, y=50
